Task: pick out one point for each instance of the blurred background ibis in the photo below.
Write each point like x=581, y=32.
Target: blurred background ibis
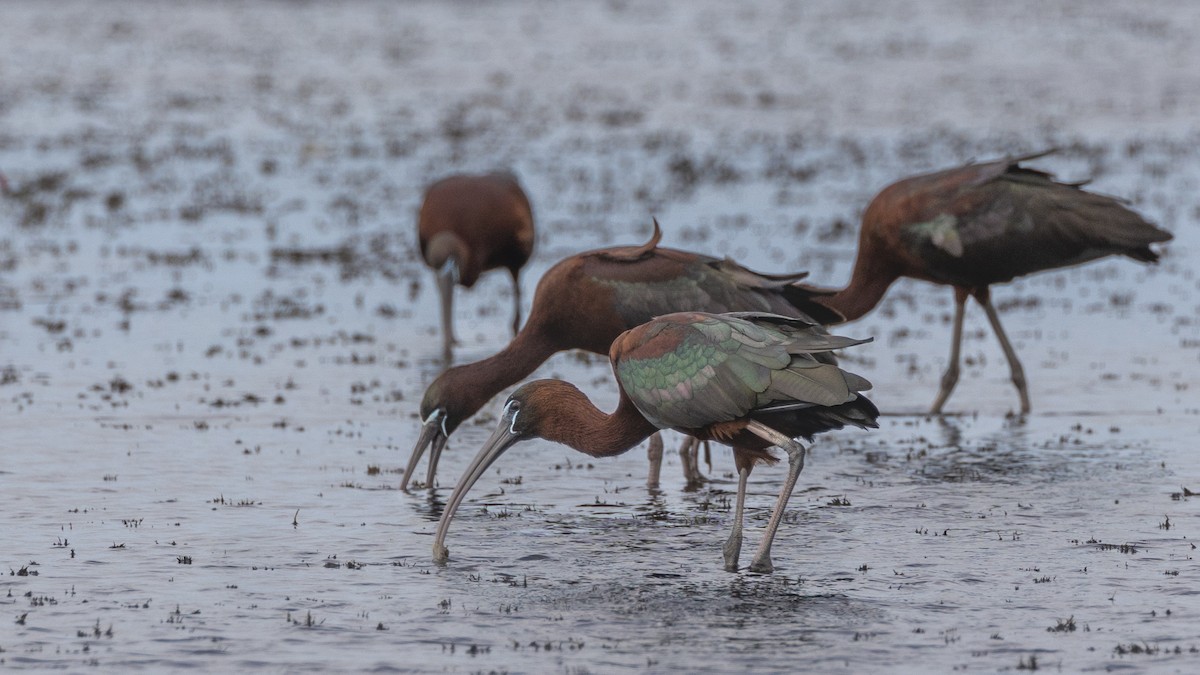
x=983, y=224
x=469, y=224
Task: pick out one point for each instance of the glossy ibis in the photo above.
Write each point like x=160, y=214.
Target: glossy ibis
x=983, y=224
x=747, y=379
x=584, y=302
x=469, y=224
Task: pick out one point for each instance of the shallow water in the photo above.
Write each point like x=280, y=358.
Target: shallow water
x=214, y=335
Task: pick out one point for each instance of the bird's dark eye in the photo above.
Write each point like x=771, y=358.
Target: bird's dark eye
x=510, y=413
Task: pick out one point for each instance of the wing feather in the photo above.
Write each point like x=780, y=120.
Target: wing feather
x=989, y=223
x=704, y=368
x=824, y=385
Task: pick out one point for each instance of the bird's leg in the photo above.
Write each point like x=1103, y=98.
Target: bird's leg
x=689, y=455
x=762, y=558
x=516, y=325
x=950, y=377
x=654, y=451
x=447, y=277
x=683, y=459
x=733, y=545
x=1014, y=364
x=700, y=478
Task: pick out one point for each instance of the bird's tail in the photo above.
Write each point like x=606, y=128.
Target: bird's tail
x=808, y=422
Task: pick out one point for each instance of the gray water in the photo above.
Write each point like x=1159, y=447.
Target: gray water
x=214, y=335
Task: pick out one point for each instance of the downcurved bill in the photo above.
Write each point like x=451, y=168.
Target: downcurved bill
x=503, y=438
x=433, y=435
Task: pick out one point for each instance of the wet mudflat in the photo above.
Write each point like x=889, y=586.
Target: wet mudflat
x=214, y=336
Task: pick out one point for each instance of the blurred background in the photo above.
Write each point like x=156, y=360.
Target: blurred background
x=209, y=289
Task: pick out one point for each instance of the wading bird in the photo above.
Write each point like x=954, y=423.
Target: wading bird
x=469, y=225
x=983, y=224
x=584, y=302
x=749, y=380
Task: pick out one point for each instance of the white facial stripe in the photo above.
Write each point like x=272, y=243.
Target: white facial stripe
x=513, y=422
x=438, y=416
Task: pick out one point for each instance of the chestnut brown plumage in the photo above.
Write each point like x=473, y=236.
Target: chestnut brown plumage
x=983, y=224
x=469, y=224
x=749, y=380
x=584, y=302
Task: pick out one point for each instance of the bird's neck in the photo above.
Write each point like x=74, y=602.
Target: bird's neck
x=480, y=381
x=867, y=285
x=581, y=425
x=444, y=247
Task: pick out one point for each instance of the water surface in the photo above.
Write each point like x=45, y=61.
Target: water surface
x=214, y=335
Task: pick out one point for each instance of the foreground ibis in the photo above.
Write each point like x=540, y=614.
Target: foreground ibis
x=584, y=302
x=983, y=224
x=749, y=380
x=469, y=224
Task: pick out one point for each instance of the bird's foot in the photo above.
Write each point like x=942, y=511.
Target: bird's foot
x=441, y=554
x=732, y=550
x=1016, y=418
x=762, y=565
x=949, y=379
x=654, y=452
x=689, y=459
x=694, y=475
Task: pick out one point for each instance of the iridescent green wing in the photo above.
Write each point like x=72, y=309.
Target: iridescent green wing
x=688, y=374
x=810, y=378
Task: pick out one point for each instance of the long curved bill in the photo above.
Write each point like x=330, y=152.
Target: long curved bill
x=503, y=438
x=434, y=436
